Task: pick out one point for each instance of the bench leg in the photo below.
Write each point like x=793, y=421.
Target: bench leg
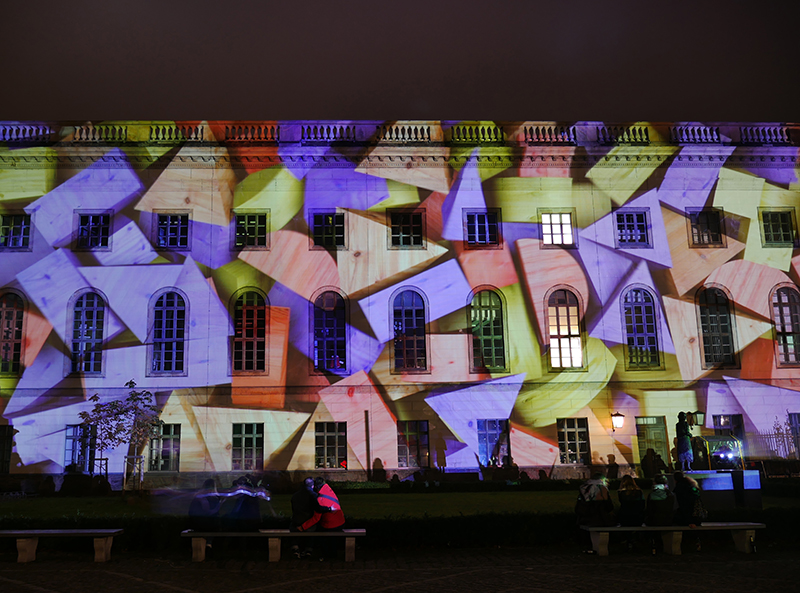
x=198, y=549
x=274, y=549
x=349, y=549
x=600, y=542
x=744, y=540
x=102, y=548
x=26, y=549
x=672, y=542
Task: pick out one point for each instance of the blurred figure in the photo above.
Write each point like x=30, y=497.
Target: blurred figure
x=304, y=505
x=204, y=509
x=685, y=457
x=631, y=503
x=660, y=508
x=690, y=506
x=331, y=517
x=594, y=506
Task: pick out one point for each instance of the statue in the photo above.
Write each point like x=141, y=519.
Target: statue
x=684, y=443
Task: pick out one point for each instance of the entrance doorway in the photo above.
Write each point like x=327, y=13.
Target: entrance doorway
x=651, y=432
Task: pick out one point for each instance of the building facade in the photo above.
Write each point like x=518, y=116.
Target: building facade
x=350, y=297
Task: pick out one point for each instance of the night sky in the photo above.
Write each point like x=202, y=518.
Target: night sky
x=433, y=59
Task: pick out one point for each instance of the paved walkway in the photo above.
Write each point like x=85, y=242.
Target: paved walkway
x=562, y=569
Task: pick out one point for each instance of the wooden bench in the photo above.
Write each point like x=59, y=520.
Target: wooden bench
x=199, y=540
x=743, y=535
x=28, y=539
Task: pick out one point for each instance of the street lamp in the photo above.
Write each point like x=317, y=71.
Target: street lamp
x=617, y=421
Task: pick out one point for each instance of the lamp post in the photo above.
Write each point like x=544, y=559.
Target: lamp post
x=617, y=421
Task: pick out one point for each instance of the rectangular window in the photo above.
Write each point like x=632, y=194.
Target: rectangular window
x=794, y=427
x=777, y=227
x=493, y=441
x=557, y=229
x=94, y=230
x=6, y=445
x=165, y=449
x=80, y=448
x=407, y=229
x=705, y=227
x=173, y=231
x=251, y=230
x=15, y=231
x=633, y=228
x=247, y=447
x=573, y=440
x=330, y=445
x=729, y=425
x=482, y=228
x=327, y=230
x=564, y=325
x=412, y=443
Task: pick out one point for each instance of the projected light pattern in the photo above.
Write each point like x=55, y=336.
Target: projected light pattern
x=376, y=276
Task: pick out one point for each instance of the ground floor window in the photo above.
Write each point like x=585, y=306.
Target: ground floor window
x=412, y=443
x=492, y=441
x=6, y=444
x=573, y=440
x=80, y=448
x=330, y=445
x=165, y=449
x=794, y=426
x=247, y=446
x=729, y=425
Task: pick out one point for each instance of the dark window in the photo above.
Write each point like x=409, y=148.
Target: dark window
x=493, y=442
x=250, y=321
x=11, y=315
x=251, y=231
x=729, y=425
x=488, y=336
x=633, y=228
x=786, y=316
x=717, y=328
x=794, y=429
x=641, y=330
x=482, y=228
x=328, y=229
x=412, y=443
x=564, y=324
x=247, y=447
x=165, y=449
x=94, y=230
x=15, y=231
x=778, y=227
x=407, y=229
x=410, y=352
x=80, y=448
x=557, y=229
x=173, y=231
x=330, y=332
x=169, y=334
x=88, y=322
x=573, y=440
x=6, y=445
x=330, y=450
x=706, y=228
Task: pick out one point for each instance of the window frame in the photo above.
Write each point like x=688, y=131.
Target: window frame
x=86, y=438
x=157, y=228
x=790, y=212
x=411, y=435
x=251, y=442
x=581, y=331
x=392, y=224
x=323, y=432
x=659, y=365
x=395, y=336
x=312, y=214
x=71, y=330
x=485, y=442
x=236, y=213
x=475, y=368
x=648, y=228
x=77, y=226
x=21, y=319
x=781, y=351
x=703, y=335
x=498, y=224
x=26, y=226
x=542, y=212
x=233, y=340
x=151, y=335
x=155, y=458
x=316, y=369
x=562, y=430
x=692, y=223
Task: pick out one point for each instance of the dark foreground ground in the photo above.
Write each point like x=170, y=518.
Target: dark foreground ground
x=561, y=568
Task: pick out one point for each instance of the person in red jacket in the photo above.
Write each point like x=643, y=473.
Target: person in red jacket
x=329, y=515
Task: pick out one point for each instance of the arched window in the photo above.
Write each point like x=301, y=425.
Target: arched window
x=250, y=323
x=641, y=329
x=169, y=334
x=11, y=313
x=330, y=332
x=716, y=327
x=564, y=326
x=488, y=339
x=786, y=316
x=88, y=323
x=410, y=351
